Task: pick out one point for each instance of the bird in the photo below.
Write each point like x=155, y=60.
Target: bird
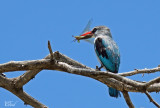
x=106, y=51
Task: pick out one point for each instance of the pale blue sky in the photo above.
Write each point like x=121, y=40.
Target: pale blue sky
x=27, y=25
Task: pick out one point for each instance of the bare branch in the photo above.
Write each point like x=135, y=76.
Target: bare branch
x=4, y=81
x=27, y=99
x=151, y=100
x=9, y=85
x=86, y=72
x=25, y=78
x=154, y=88
x=66, y=64
x=24, y=65
x=140, y=71
x=156, y=80
x=61, y=66
x=127, y=99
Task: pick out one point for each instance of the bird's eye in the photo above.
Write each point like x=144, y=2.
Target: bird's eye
x=94, y=30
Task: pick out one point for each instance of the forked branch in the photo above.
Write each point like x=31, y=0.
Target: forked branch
x=60, y=62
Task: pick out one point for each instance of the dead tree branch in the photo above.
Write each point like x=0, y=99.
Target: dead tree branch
x=60, y=62
x=151, y=100
x=127, y=98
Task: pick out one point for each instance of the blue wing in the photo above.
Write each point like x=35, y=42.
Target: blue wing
x=108, y=53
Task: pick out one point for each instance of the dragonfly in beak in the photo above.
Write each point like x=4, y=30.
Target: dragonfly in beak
x=86, y=35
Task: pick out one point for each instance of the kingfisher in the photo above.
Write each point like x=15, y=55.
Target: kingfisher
x=106, y=50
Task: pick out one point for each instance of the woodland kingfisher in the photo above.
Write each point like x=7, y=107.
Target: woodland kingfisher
x=106, y=50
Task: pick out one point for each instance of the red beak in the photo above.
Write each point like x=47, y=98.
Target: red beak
x=84, y=36
x=88, y=33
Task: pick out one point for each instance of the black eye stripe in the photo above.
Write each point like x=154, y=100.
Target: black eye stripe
x=94, y=30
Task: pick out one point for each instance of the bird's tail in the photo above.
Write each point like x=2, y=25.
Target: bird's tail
x=114, y=93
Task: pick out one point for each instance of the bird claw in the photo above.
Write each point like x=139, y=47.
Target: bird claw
x=99, y=68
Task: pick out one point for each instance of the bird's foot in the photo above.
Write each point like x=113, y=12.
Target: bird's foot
x=99, y=68
x=3, y=74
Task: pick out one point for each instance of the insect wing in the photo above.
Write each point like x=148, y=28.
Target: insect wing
x=87, y=29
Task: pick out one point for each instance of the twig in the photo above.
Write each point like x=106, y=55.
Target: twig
x=50, y=50
x=140, y=71
x=151, y=100
x=127, y=99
